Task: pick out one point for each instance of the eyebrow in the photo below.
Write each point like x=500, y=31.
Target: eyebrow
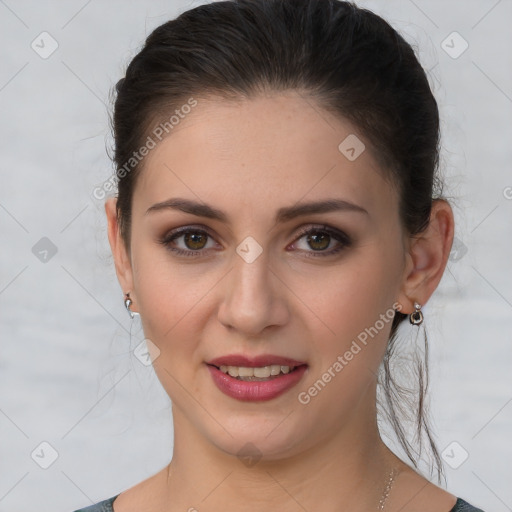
x=284, y=214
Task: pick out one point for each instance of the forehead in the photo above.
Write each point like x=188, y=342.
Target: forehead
x=269, y=150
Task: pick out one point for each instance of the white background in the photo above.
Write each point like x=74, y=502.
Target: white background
x=67, y=372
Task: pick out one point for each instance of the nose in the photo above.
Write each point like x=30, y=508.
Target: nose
x=254, y=297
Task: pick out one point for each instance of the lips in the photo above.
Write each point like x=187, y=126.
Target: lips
x=255, y=390
x=253, y=362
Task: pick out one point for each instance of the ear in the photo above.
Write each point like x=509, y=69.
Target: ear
x=427, y=257
x=119, y=252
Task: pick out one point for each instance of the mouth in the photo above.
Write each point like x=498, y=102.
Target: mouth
x=259, y=373
x=255, y=379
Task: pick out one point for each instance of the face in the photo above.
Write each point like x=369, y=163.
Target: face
x=262, y=279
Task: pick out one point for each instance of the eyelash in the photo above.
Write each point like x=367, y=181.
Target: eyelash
x=341, y=237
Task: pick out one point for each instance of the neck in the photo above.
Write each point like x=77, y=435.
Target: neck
x=347, y=470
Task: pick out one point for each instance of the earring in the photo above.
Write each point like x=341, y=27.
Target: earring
x=127, y=303
x=416, y=317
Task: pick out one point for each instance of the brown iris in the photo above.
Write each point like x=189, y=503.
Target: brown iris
x=195, y=240
x=319, y=241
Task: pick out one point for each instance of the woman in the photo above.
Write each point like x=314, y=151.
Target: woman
x=278, y=217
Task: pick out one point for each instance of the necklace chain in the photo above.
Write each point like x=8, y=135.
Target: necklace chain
x=387, y=489
x=392, y=475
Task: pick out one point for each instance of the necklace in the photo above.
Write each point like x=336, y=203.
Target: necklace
x=387, y=489
x=392, y=475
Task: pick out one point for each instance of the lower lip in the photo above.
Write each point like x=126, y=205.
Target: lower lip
x=254, y=391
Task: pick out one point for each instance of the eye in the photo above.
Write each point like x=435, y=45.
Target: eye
x=321, y=238
x=193, y=243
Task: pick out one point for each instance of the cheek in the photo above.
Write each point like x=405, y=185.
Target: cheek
x=351, y=296
x=172, y=316
x=168, y=300
x=355, y=308
x=355, y=305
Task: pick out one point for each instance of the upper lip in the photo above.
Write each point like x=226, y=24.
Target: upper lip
x=253, y=362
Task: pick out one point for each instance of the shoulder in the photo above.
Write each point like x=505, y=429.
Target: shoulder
x=102, y=506
x=464, y=506
x=414, y=493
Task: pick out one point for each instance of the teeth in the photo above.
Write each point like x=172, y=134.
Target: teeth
x=275, y=369
x=233, y=371
x=245, y=372
x=264, y=372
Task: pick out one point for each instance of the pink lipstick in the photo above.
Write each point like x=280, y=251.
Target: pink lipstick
x=255, y=378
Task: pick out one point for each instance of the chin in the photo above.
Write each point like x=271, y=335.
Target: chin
x=255, y=440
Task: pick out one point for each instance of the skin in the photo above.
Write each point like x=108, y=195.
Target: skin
x=248, y=159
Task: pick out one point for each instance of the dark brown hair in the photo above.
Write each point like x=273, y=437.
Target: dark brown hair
x=348, y=59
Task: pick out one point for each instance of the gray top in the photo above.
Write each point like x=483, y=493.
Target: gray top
x=106, y=506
